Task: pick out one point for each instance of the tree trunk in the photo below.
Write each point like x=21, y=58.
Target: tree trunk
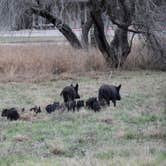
x=120, y=46
x=63, y=28
x=85, y=31
x=103, y=45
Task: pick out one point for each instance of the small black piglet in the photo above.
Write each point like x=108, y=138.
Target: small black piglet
x=93, y=103
x=52, y=107
x=10, y=113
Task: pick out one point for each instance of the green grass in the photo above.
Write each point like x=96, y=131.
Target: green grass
x=136, y=134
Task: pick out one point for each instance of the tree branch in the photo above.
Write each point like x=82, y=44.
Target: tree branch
x=131, y=42
x=101, y=39
x=124, y=27
x=85, y=30
x=63, y=28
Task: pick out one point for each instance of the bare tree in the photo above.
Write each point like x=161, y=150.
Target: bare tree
x=145, y=18
x=138, y=17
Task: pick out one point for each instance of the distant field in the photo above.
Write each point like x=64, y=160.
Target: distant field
x=31, y=39
x=40, y=35
x=30, y=36
x=133, y=133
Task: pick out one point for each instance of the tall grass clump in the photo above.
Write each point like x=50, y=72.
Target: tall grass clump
x=40, y=60
x=34, y=60
x=142, y=58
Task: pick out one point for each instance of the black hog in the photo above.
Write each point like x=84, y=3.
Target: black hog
x=93, y=103
x=109, y=92
x=90, y=101
x=52, y=107
x=36, y=109
x=70, y=93
x=96, y=106
x=80, y=104
x=11, y=114
x=49, y=108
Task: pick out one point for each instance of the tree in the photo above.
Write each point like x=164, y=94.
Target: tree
x=138, y=17
x=145, y=18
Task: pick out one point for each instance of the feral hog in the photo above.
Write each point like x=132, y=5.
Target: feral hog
x=80, y=104
x=109, y=92
x=36, y=109
x=11, y=114
x=93, y=103
x=96, y=106
x=52, y=107
x=70, y=93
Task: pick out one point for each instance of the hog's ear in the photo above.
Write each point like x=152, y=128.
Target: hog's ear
x=5, y=110
x=76, y=87
x=71, y=85
x=118, y=87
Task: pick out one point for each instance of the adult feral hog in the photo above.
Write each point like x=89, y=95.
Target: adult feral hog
x=70, y=93
x=109, y=92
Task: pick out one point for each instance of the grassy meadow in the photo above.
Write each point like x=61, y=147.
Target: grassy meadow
x=133, y=133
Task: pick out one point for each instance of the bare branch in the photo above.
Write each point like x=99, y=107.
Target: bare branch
x=63, y=28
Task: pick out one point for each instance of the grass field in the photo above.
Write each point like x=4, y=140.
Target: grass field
x=133, y=133
x=19, y=39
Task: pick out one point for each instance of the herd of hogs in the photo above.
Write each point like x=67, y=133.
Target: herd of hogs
x=72, y=101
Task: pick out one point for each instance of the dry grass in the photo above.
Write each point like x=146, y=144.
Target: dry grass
x=56, y=146
x=21, y=138
x=141, y=58
x=41, y=61
x=28, y=116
